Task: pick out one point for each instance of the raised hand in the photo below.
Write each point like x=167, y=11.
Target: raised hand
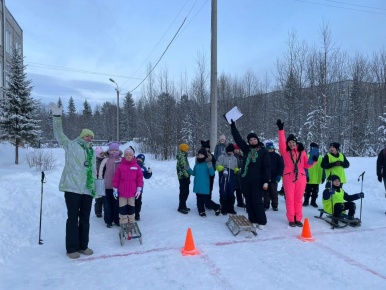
x=280, y=124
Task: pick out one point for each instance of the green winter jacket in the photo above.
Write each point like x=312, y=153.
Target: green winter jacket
x=74, y=176
x=182, y=163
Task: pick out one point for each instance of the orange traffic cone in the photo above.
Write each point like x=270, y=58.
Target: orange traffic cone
x=306, y=235
x=189, y=248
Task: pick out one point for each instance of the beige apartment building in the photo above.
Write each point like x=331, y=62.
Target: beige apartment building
x=11, y=36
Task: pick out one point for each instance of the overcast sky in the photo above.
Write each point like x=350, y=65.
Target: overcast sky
x=73, y=47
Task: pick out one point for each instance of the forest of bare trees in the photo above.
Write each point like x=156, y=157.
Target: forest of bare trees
x=321, y=93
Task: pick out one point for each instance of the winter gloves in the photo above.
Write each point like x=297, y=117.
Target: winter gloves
x=149, y=170
x=138, y=193
x=278, y=178
x=361, y=195
x=57, y=112
x=280, y=124
x=314, y=158
x=115, y=193
x=380, y=178
x=219, y=168
x=233, y=124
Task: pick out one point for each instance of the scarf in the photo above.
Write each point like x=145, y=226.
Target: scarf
x=252, y=155
x=87, y=146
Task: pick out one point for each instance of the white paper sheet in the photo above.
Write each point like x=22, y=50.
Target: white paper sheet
x=234, y=114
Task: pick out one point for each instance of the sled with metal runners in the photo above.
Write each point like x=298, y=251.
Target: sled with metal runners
x=130, y=231
x=343, y=219
x=238, y=223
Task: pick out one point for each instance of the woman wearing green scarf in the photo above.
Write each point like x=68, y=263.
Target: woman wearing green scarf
x=255, y=175
x=77, y=183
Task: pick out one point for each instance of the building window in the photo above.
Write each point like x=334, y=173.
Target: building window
x=8, y=41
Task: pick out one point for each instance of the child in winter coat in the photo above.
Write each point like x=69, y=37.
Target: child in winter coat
x=107, y=170
x=220, y=147
x=127, y=184
x=277, y=167
x=336, y=201
x=315, y=175
x=227, y=167
x=294, y=175
x=335, y=162
x=201, y=172
x=183, y=177
x=239, y=195
x=147, y=173
x=100, y=155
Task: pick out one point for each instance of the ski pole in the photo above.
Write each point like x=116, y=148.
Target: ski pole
x=41, y=209
x=360, y=213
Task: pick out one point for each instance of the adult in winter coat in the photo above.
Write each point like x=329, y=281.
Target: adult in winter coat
x=201, y=172
x=127, y=186
x=255, y=175
x=381, y=167
x=227, y=168
x=336, y=200
x=335, y=162
x=147, y=173
x=315, y=175
x=107, y=170
x=77, y=183
x=98, y=205
x=183, y=177
x=294, y=175
x=277, y=166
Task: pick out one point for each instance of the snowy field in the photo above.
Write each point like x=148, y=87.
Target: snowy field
x=349, y=258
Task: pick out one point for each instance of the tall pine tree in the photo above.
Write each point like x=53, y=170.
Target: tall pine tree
x=18, y=109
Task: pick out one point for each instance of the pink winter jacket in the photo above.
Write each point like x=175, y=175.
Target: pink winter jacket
x=289, y=166
x=127, y=178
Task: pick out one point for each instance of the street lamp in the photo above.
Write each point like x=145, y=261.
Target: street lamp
x=117, y=89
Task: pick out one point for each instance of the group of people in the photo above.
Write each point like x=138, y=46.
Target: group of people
x=253, y=170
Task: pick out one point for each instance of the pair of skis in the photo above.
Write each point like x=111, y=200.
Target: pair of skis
x=130, y=231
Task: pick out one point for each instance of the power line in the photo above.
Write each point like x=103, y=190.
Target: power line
x=347, y=8
x=47, y=66
x=345, y=3
x=160, y=57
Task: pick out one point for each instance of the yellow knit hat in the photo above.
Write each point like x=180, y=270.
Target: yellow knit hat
x=86, y=132
x=184, y=147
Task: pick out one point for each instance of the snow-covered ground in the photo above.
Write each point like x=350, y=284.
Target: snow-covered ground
x=349, y=258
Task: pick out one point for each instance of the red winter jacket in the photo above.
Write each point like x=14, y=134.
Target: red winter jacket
x=127, y=178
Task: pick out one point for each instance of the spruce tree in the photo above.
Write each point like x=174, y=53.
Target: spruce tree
x=18, y=109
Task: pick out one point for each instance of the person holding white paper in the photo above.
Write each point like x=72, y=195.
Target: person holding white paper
x=255, y=175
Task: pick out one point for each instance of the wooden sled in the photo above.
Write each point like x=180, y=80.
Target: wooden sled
x=238, y=223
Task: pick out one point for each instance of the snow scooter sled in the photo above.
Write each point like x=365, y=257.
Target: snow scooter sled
x=345, y=221
x=130, y=231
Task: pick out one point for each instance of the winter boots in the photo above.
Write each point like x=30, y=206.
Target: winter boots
x=306, y=200
x=313, y=202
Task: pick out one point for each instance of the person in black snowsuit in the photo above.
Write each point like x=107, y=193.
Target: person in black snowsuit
x=381, y=167
x=277, y=168
x=255, y=175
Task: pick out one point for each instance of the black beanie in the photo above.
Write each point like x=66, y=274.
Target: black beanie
x=292, y=137
x=334, y=177
x=230, y=148
x=252, y=135
x=314, y=145
x=203, y=152
x=336, y=145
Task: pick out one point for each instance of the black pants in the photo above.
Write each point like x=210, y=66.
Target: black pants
x=78, y=221
x=312, y=191
x=204, y=200
x=138, y=206
x=111, y=208
x=340, y=207
x=253, y=193
x=184, y=192
x=271, y=195
x=98, y=205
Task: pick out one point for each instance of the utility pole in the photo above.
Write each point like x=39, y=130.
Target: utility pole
x=117, y=89
x=213, y=78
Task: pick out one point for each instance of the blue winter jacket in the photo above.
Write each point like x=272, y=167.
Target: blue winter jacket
x=201, y=174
